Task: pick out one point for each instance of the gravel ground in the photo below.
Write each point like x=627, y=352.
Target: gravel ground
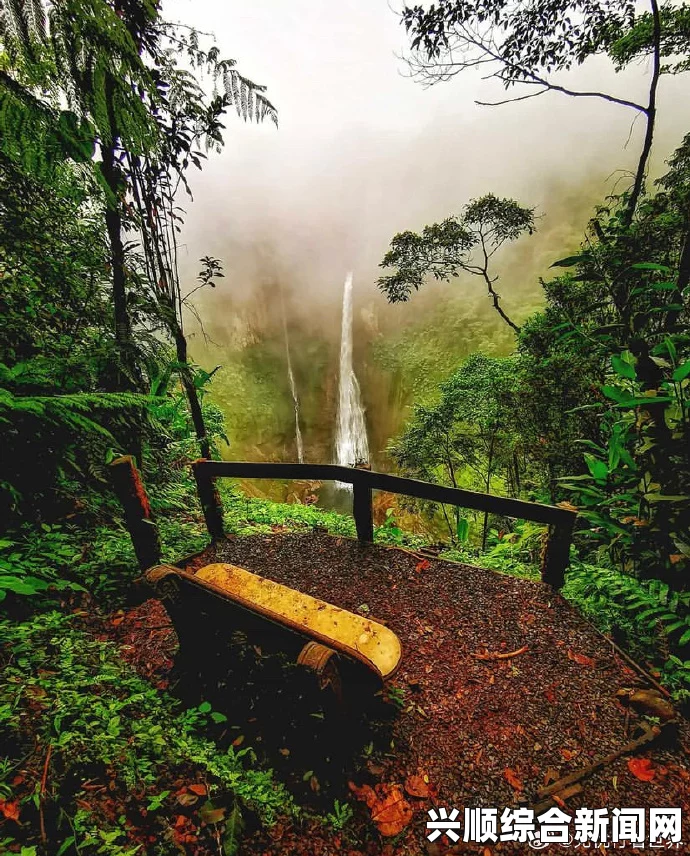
x=481, y=732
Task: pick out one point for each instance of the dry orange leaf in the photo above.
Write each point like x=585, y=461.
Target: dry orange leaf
x=389, y=809
x=199, y=790
x=642, y=769
x=10, y=809
x=581, y=659
x=569, y=754
x=392, y=812
x=416, y=786
x=512, y=778
x=422, y=566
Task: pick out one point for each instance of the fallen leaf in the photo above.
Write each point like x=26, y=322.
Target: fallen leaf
x=423, y=566
x=416, y=786
x=199, y=790
x=392, y=812
x=209, y=814
x=187, y=799
x=389, y=809
x=569, y=754
x=512, y=778
x=364, y=793
x=10, y=809
x=375, y=769
x=238, y=741
x=642, y=769
x=581, y=659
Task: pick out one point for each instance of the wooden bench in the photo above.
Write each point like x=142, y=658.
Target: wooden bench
x=339, y=646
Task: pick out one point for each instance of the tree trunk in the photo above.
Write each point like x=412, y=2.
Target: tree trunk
x=650, y=112
x=191, y=392
x=488, y=490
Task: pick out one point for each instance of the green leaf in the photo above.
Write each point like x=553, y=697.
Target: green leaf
x=65, y=846
x=681, y=372
x=463, y=528
x=623, y=368
x=615, y=393
x=597, y=467
x=234, y=827
x=204, y=707
x=685, y=638
x=650, y=266
x=570, y=261
x=658, y=497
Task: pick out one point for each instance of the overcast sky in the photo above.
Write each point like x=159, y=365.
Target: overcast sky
x=363, y=151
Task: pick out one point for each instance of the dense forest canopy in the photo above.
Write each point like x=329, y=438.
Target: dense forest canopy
x=107, y=113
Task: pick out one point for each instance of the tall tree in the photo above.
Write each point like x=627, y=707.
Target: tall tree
x=524, y=44
x=119, y=66
x=467, y=243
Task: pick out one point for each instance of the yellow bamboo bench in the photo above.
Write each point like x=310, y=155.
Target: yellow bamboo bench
x=328, y=635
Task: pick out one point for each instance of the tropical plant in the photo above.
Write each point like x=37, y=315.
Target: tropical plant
x=467, y=243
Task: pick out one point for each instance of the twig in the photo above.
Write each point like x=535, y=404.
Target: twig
x=488, y=655
x=651, y=734
x=44, y=779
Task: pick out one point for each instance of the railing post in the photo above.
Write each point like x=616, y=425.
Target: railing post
x=210, y=501
x=362, y=511
x=130, y=490
x=556, y=556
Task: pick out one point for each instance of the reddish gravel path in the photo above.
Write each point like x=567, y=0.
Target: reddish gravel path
x=484, y=732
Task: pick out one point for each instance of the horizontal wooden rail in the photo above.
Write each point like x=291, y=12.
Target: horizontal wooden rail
x=559, y=520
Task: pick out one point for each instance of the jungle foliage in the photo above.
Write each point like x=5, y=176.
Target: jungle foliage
x=102, y=118
x=591, y=409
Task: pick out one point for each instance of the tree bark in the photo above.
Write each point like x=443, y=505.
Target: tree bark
x=191, y=392
x=650, y=113
x=488, y=490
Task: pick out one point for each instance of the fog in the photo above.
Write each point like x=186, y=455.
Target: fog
x=363, y=151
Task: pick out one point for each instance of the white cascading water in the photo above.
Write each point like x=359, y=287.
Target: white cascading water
x=351, y=444
x=293, y=388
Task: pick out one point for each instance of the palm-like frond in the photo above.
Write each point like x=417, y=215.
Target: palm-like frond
x=247, y=97
x=22, y=21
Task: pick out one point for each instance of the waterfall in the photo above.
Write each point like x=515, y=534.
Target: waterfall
x=351, y=444
x=293, y=386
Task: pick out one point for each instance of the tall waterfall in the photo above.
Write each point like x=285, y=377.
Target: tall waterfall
x=351, y=444
x=293, y=386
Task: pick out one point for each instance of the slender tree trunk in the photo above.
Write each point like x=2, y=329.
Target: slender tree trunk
x=191, y=392
x=496, y=299
x=127, y=374
x=516, y=468
x=488, y=489
x=650, y=113
x=684, y=266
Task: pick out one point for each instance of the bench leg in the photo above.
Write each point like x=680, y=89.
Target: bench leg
x=323, y=662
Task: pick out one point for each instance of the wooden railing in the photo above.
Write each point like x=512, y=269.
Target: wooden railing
x=559, y=520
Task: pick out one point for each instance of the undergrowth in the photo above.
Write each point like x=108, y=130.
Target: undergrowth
x=123, y=754
x=69, y=703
